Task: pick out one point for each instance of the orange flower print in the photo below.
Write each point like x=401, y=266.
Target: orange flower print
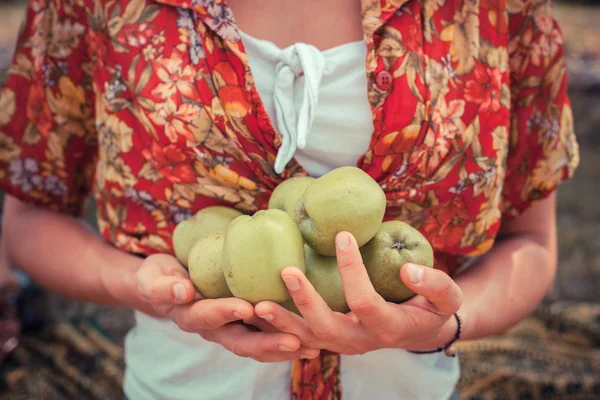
x=175, y=119
x=38, y=111
x=234, y=101
x=174, y=77
x=485, y=88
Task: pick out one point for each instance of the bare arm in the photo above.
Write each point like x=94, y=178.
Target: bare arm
x=510, y=281
x=63, y=255
x=500, y=290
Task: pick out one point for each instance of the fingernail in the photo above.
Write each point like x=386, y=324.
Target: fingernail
x=307, y=357
x=415, y=273
x=238, y=315
x=355, y=319
x=267, y=317
x=179, y=292
x=283, y=348
x=292, y=282
x=342, y=240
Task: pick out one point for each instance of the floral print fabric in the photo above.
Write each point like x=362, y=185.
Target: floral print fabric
x=151, y=106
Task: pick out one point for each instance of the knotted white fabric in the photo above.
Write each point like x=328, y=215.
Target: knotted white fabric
x=316, y=100
x=301, y=69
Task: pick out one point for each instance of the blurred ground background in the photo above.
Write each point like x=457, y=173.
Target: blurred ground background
x=579, y=200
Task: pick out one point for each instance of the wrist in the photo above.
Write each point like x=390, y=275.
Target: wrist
x=448, y=331
x=119, y=280
x=443, y=340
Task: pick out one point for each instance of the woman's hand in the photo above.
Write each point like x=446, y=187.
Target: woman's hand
x=165, y=285
x=423, y=322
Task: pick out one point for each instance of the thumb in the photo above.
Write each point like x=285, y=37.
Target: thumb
x=162, y=280
x=434, y=285
x=170, y=290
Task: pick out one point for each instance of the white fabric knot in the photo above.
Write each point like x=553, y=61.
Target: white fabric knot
x=302, y=68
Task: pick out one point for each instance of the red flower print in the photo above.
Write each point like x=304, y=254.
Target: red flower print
x=495, y=13
x=413, y=39
x=431, y=153
x=445, y=225
x=96, y=42
x=485, y=88
x=171, y=162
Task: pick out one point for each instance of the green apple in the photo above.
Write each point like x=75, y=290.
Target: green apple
x=287, y=193
x=395, y=244
x=257, y=248
x=205, y=264
x=207, y=220
x=323, y=273
x=345, y=199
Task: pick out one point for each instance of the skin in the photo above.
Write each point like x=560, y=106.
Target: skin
x=493, y=295
x=502, y=289
x=322, y=272
x=157, y=285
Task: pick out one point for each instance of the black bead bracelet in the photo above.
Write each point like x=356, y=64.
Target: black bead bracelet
x=448, y=348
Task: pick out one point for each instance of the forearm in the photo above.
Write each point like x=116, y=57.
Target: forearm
x=63, y=255
x=506, y=285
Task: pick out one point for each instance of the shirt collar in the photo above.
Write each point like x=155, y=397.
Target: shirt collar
x=218, y=17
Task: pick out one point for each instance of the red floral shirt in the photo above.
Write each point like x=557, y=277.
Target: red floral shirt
x=151, y=106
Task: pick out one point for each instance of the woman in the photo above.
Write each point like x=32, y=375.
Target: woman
x=162, y=107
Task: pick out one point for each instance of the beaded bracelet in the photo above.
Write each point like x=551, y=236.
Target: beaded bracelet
x=448, y=348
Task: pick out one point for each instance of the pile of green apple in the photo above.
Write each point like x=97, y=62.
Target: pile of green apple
x=229, y=254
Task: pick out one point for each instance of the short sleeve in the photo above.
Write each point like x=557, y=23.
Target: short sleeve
x=48, y=143
x=543, y=150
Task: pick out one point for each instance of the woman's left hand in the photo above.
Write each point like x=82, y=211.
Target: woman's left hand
x=421, y=323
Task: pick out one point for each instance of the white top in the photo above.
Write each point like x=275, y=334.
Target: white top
x=318, y=103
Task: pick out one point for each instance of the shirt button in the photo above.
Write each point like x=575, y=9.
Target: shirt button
x=384, y=80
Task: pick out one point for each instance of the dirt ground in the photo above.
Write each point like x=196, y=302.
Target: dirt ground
x=579, y=204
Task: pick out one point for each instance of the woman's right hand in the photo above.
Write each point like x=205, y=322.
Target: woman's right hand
x=165, y=285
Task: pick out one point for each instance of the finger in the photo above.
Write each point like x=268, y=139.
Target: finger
x=159, y=282
x=363, y=300
x=261, y=324
x=167, y=290
x=210, y=313
x=283, y=320
x=287, y=356
x=435, y=285
x=244, y=343
x=349, y=341
x=319, y=317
